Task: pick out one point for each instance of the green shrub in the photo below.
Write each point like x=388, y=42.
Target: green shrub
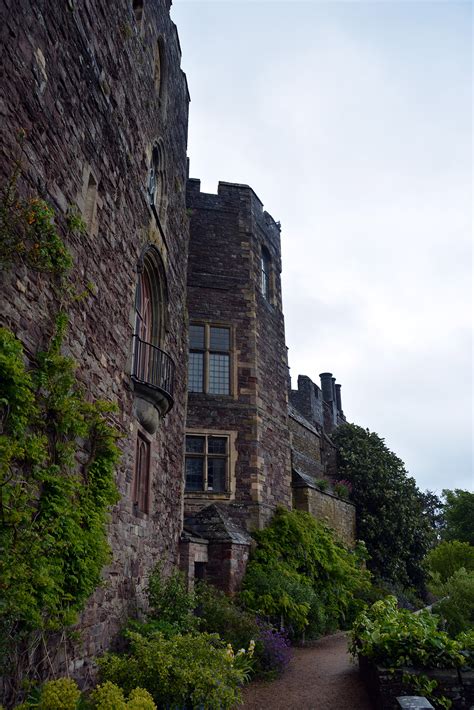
x=466, y=640
x=301, y=576
x=108, y=696
x=61, y=694
x=448, y=557
x=218, y=614
x=140, y=699
x=396, y=638
x=171, y=603
x=457, y=606
x=186, y=671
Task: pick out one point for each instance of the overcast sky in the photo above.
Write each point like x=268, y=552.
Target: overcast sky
x=352, y=121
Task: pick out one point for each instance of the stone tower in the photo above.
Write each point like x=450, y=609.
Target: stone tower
x=99, y=92
x=237, y=443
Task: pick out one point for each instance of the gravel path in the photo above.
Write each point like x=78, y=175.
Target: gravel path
x=320, y=677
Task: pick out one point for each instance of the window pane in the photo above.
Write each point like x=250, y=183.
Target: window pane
x=195, y=372
x=218, y=374
x=220, y=339
x=216, y=469
x=195, y=444
x=194, y=474
x=196, y=337
x=217, y=445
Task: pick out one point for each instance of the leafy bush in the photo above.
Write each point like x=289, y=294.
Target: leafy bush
x=448, y=557
x=185, y=671
x=109, y=696
x=61, y=694
x=140, y=699
x=343, y=488
x=466, y=640
x=171, y=603
x=396, y=638
x=301, y=577
x=457, y=606
x=219, y=614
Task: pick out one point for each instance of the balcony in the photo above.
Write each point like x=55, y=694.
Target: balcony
x=153, y=374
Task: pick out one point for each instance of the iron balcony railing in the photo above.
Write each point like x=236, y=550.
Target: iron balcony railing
x=153, y=368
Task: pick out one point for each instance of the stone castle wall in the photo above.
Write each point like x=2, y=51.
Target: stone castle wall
x=81, y=80
x=338, y=514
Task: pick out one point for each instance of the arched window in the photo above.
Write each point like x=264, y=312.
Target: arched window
x=265, y=261
x=150, y=298
x=156, y=187
x=152, y=368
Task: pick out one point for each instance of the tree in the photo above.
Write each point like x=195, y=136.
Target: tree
x=459, y=516
x=449, y=556
x=394, y=518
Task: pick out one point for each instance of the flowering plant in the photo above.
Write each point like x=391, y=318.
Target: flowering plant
x=343, y=488
x=276, y=652
x=242, y=660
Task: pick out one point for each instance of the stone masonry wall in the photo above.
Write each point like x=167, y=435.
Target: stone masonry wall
x=306, y=445
x=224, y=276
x=340, y=515
x=80, y=79
x=226, y=566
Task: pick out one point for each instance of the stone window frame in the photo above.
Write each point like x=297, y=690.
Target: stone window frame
x=160, y=71
x=138, y=14
x=267, y=283
x=150, y=267
x=229, y=493
x=89, y=201
x=141, y=486
x=207, y=351
x=157, y=184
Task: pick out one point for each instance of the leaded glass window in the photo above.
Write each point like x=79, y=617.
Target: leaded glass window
x=207, y=463
x=209, y=359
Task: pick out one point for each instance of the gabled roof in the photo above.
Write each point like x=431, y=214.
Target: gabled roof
x=303, y=480
x=215, y=523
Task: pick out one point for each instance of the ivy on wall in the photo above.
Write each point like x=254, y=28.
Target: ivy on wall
x=58, y=453
x=53, y=509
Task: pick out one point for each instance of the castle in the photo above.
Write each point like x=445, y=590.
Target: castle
x=184, y=330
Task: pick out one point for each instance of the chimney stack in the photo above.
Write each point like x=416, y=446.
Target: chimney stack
x=326, y=386
x=338, y=398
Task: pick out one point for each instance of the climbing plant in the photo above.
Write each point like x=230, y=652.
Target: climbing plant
x=301, y=575
x=57, y=451
x=53, y=503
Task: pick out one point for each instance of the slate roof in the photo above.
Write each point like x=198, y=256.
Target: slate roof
x=215, y=523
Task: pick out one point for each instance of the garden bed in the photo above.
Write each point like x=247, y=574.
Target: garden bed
x=385, y=685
